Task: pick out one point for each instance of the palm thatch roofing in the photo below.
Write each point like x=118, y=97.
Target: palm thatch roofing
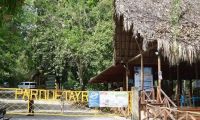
x=114, y=73
x=174, y=24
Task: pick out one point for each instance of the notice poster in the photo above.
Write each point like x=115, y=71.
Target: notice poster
x=113, y=99
x=93, y=99
x=148, y=78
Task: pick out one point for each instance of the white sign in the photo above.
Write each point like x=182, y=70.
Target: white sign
x=196, y=84
x=113, y=99
x=148, y=78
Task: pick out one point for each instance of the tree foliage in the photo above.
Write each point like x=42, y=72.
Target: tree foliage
x=71, y=39
x=11, y=41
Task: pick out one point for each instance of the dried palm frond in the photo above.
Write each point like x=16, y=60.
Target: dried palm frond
x=174, y=24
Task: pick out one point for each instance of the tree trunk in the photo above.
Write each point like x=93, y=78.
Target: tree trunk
x=65, y=74
x=80, y=73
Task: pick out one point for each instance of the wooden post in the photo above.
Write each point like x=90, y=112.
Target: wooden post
x=127, y=73
x=196, y=70
x=177, y=86
x=124, y=84
x=190, y=93
x=159, y=79
x=142, y=73
x=135, y=104
x=142, y=62
x=30, y=105
x=159, y=71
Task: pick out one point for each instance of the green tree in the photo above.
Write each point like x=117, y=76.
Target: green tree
x=11, y=40
x=89, y=37
x=71, y=39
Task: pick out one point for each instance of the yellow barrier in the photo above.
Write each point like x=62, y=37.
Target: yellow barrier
x=21, y=101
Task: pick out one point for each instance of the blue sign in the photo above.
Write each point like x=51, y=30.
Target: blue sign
x=93, y=99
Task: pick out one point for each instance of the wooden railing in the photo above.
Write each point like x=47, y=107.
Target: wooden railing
x=156, y=112
x=162, y=107
x=165, y=99
x=147, y=96
x=165, y=113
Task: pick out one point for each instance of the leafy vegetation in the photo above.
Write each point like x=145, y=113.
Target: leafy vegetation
x=12, y=45
x=71, y=39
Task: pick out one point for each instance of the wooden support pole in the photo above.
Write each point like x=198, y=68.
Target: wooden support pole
x=124, y=83
x=127, y=73
x=159, y=79
x=196, y=70
x=190, y=93
x=142, y=73
x=159, y=71
x=196, y=76
x=177, y=86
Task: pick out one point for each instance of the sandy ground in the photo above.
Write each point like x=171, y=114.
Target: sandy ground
x=49, y=107
x=41, y=117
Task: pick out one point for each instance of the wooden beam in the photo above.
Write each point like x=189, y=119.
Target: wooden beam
x=134, y=58
x=139, y=55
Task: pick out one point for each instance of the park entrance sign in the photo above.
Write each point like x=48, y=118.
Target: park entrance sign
x=65, y=102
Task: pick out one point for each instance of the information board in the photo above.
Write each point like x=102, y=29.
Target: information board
x=50, y=82
x=113, y=99
x=148, y=78
x=108, y=99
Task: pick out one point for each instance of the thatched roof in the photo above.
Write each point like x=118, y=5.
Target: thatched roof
x=175, y=26
x=114, y=73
